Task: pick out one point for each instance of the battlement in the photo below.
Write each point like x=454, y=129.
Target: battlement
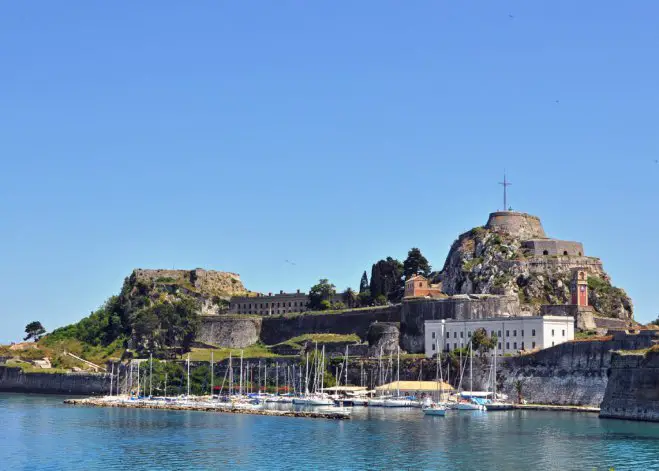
x=522, y=225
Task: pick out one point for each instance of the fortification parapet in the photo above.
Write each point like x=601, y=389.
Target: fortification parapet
x=522, y=225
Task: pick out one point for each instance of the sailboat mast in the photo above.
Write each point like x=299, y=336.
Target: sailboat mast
x=398, y=373
x=212, y=371
x=437, y=372
x=188, y=375
x=471, y=370
x=241, y=373
x=230, y=376
x=138, y=379
x=306, y=376
x=150, y=374
x=111, y=379
x=346, y=366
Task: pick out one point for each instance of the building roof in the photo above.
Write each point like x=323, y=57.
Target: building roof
x=426, y=386
x=345, y=388
x=417, y=277
x=501, y=319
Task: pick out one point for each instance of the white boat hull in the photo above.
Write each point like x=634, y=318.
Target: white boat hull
x=400, y=403
x=466, y=406
x=440, y=412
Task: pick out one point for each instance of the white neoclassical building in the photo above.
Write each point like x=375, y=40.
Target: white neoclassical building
x=514, y=334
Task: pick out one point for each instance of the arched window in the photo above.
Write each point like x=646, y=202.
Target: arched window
x=419, y=284
x=564, y=252
x=545, y=252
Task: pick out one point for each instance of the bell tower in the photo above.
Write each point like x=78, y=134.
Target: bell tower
x=579, y=287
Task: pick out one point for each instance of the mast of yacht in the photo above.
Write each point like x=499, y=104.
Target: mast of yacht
x=437, y=371
x=471, y=370
x=265, y=380
x=306, y=377
x=138, y=379
x=165, y=384
x=346, y=367
x=277, y=378
x=188, y=375
x=212, y=371
x=494, y=375
x=111, y=379
x=398, y=373
x=230, y=376
x=241, y=373
x=322, y=371
x=150, y=374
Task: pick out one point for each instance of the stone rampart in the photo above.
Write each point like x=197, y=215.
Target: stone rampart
x=522, y=225
x=415, y=312
x=15, y=380
x=232, y=331
x=277, y=329
x=205, y=281
x=554, y=247
x=632, y=391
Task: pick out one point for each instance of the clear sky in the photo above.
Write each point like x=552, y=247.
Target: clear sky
x=238, y=135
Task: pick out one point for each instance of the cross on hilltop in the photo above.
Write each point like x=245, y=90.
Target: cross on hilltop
x=505, y=184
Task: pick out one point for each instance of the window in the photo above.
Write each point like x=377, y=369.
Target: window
x=552, y=344
x=448, y=334
x=515, y=345
x=499, y=333
x=563, y=333
x=564, y=252
x=533, y=345
x=507, y=333
x=462, y=335
x=433, y=346
x=552, y=332
x=499, y=346
x=469, y=334
x=533, y=332
x=455, y=335
x=514, y=333
x=522, y=333
x=419, y=285
x=545, y=252
x=522, y=345
x=433, y=335
x=455, y=345
x=492, y=334
x=507, y=345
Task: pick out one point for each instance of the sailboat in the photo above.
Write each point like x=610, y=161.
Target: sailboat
x=470, y=404
x=398, y=400
x=495, y=404
x=315, y=399
x=436, y=408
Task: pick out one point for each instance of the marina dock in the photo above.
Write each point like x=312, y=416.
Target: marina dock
x=555, y=408
x=202, y=406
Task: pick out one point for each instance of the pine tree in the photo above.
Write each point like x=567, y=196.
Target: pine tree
x=415, y=264
x=363, y=284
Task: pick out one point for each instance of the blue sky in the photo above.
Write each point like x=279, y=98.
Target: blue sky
x=237, y=135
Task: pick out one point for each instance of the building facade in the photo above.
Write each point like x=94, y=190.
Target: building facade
x=514, y=334
x=418, y=286
x=274, y=304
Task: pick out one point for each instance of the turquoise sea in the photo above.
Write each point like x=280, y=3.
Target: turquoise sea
x=40, y=432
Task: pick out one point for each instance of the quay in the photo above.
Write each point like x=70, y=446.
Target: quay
x=203, y=407
x=551, y=407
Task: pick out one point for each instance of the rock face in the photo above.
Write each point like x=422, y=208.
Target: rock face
x=507, y=257
x=229, y=331
x=632, y=391
x=212, y=289
x=383, y=338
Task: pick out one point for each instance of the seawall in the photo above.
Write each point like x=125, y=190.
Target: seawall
x=15, y=380
x=233, y=331
x=633, y=388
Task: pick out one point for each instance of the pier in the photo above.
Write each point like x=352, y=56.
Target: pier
x=201, y=406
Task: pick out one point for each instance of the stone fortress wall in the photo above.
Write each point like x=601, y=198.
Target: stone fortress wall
x=525, y=225
x=554, y=247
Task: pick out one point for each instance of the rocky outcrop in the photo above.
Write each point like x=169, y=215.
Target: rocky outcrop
x=632, y=391
x=230, y=331
x=15, y=380
x=383, y=338
x=495, y=260
x=211, y=289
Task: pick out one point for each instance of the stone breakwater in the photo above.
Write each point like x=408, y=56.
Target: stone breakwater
x=14, y=379
x=203, y=407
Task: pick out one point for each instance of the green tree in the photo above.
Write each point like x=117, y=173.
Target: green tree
x=415, y=264
x=350, y=297
x=481, y=342
x=380, y=300
x=320, y=292
x=34, y=330
x=387, y=279
x=365, y=298
x=363, y=284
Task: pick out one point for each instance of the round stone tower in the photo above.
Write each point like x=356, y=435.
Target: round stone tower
x=521, y=225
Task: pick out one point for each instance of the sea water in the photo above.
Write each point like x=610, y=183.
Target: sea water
x=40, y=432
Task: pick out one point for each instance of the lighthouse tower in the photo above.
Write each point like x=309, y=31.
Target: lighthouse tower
x=579, y=287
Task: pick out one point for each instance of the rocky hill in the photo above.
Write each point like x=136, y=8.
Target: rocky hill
x=212, y=289
x=512, y=255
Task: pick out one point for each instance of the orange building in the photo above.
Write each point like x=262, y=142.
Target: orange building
x=419, y=287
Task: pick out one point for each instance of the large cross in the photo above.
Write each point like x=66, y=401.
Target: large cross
x=505, y=184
